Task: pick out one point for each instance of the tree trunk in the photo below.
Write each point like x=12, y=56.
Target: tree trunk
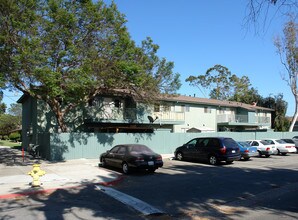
x=61, y=123
x=294, y=119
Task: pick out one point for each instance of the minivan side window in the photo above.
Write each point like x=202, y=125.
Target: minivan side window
x=192, y=143
x=213, y=142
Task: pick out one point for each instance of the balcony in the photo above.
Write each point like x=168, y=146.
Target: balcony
x=139, y=115
x=242, y=119
x=232, y=118
x=170, y=116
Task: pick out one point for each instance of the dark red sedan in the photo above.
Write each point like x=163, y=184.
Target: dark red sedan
x=131, y=156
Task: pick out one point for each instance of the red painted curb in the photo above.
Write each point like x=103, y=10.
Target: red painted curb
x=45, y=191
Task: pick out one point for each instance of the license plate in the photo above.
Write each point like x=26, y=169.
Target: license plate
x=233, y=151
x=151, y=163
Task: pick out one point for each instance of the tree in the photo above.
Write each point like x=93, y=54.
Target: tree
x=2, y=105
x=287, y=48
x=225, y=86
x=8, y=123
x=264, y=11
x=279, y=120
x=65, y=52
x=217, y=79
x=15, y=109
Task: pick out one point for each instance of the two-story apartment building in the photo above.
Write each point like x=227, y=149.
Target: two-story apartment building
x=119, y=114
x=173, y=113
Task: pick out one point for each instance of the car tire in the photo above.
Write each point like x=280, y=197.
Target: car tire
x=284, y=154
x=179, y=156
x=151, y=170
x=260, y=154
x=230, y=162
x=268, y=155
x=125, y=168
x=278, y=152
x=213, y=160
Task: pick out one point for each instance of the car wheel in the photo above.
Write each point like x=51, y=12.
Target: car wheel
x=278, y=152
x=260, y=154
x=125, y=168
x=230, y=162
x=246, y=158
x=179, y=156
x=103, y=162
x=213, y=160
x=151, y=170
x=268, y=155
x=283, y=154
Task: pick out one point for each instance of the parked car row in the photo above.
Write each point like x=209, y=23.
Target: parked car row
x=208, y=149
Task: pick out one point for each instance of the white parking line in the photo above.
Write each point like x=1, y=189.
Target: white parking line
x=133, y=202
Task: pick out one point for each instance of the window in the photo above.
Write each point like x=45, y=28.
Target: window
x=184, y=108
x=156, y=108
x=122, y=150
x=117, y=103
x=166, y=108
x=207, y=110
x=114, y=150
x=192, y=143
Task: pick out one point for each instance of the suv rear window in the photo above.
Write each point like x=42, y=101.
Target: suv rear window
x=229, y=143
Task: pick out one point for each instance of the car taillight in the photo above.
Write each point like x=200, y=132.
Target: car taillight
x=223, y=150
x=268, y=149
x=246, y=151
x=140, y=159
x=288, y=146
x=159, y=158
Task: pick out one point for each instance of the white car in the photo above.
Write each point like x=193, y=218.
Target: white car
x=282, y=147
x=264, y=148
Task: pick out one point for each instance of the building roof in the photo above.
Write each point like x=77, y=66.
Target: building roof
x=213, y=102
x=197, y=100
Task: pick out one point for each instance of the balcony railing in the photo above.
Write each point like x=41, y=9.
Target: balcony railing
x=133, y=114
x=170, y=116
x=242, y=119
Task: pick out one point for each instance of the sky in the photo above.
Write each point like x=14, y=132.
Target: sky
x=198, y=34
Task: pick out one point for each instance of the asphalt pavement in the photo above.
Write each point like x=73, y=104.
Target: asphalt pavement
x=15, y=180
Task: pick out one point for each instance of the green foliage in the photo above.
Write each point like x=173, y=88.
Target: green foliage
x=15, y=109
x=8, y=123
x=279, y=120
x=224, y=85
x=65, y=52
x=15, y=136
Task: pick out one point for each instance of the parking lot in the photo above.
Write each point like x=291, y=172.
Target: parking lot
x=261, y=188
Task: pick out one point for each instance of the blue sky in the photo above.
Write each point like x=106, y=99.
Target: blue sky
x=197, y=35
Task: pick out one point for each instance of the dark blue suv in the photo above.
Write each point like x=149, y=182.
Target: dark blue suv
x=211, y=149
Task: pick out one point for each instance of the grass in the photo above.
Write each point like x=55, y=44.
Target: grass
x=10, y=144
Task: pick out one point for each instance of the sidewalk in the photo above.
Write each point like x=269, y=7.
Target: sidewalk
x=15, y=181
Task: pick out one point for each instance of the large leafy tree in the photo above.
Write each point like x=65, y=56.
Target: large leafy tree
x=224, y=85
x=279, y=120
x=287, y=48
x=65, y=52
x=216, y=79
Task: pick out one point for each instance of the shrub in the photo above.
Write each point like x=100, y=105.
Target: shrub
x=15, y=136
